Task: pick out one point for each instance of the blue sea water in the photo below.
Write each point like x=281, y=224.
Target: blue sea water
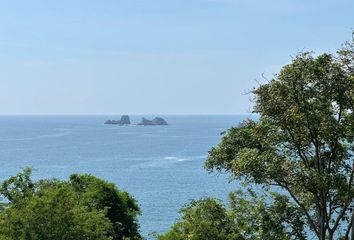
x=161, y=166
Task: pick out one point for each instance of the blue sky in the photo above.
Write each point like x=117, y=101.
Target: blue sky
x=154, y=56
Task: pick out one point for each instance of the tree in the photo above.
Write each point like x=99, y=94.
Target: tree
x=53, y=213
x=202, y=219
x=302, y=143
x=18, y=187
x=55, y=209
x=248, y=217
x=257, y=217
x=122, y=209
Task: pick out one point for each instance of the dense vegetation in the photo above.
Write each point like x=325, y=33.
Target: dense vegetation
x=248, y=216
x=297, y=157
x=84, y=207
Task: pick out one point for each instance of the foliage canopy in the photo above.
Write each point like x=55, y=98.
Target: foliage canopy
x=302, y=144
x=84, y=208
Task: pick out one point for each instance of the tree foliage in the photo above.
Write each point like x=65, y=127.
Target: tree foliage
x=302, y=143
x=122, y=209
x=202, y=219
x=84, y=208
x=247, y=217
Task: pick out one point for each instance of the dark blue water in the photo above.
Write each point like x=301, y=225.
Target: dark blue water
x=161, y=166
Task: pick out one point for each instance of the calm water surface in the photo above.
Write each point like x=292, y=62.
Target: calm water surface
x=161, y=166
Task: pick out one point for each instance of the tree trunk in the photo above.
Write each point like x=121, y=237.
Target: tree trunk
x=322, y=222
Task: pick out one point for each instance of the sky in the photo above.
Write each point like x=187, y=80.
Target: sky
x=155, y=56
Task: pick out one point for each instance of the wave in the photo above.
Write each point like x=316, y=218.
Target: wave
x=168, y=161
x=58, y=132
x=178, y=159
x=183, y=159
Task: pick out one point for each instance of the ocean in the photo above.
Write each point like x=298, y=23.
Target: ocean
x=161, y=166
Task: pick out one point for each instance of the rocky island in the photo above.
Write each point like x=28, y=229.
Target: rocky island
x=124, y=120
x=154, y=122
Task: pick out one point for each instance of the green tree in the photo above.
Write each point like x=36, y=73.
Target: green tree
x=302, y=143
x=54, y=213
x=202, y=219
x=258, y=217
x=248, y=217
x=18, y=187
x=55, y=209
x=122, y=209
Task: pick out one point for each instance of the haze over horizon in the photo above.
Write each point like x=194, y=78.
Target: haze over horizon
x=155, y=57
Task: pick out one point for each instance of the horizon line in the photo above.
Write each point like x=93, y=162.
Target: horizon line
x=119, y=114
